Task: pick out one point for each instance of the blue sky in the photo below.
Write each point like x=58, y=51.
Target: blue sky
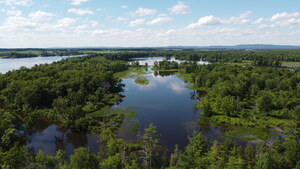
x=80, y=23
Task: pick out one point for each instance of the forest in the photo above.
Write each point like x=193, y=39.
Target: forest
x=76, y=92
x=211, y=55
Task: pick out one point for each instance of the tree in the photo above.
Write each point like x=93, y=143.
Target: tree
x=150, y=140
x=174, y=158
x=235, y=163
x=193, y=156
x=16, y=157
x=292, y=150
x=83, y=159
x=249, y=154
x=133, y=165
x=216, y=161
x=264, y=161
x=112, y=162
x=264, y=102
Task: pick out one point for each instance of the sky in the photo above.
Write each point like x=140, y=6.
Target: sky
x=147, y=23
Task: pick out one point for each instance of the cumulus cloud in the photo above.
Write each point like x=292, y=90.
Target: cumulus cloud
x=124, y=6
x=137, y=22
x=206, y=20
x=17, y=23
x=159, y=20
x=259, y=21
x=78, y=2
x=16, y=2
x=179, y=8
x=64, y=23
x=245, y=14
x=212, y=20
x=279, y=20
x=94, y=23
x=285, y=15
x=145, y=12
x=41, y=15
x=81, y=11
x=99, y=32
x=241, y=19
x=121, y=19
x=14, y=13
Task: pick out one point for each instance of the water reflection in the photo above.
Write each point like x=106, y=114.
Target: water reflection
x=164, y=73
x=178, y=87
x=51, y=138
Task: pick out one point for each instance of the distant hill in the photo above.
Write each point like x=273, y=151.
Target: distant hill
x=243, y=46
x=259, y=46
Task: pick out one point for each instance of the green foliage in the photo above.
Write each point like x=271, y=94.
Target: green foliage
x=83, y=159
x=142, y=80
x=16, y=157
x=112, y=162
x=150, y=140
x=264, y=161
x=249, y=96
x=174, y=158
x=65, y=91
x=193, y=156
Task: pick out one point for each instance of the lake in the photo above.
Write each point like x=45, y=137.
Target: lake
x=165, y=101
x=15, y=63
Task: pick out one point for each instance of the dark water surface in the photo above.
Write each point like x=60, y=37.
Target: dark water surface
x=165, y=102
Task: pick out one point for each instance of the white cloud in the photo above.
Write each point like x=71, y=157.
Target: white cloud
x=206, y=20
x=259, y=21
x=81, y=11
x=14, y=13
x=241, y=19
x=179, y=8
x=159, y=20
x=17, y=2
x=245, y=14
x=17, y=23
x=263, y=26
x=137, y=22
x=64, y=23
x=99, y=32
x=284, y=15
x=124, y=6
x=212, y=20
x=94, y=23
x=288, y=23
x=284, y=19
x=78, y=2
x=121, y=19
x=145, y=12
x=41, y=15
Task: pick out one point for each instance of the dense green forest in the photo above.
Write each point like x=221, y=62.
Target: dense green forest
x=26, y=53
x=76, y=92
x=212, y=55
x=264, y=96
